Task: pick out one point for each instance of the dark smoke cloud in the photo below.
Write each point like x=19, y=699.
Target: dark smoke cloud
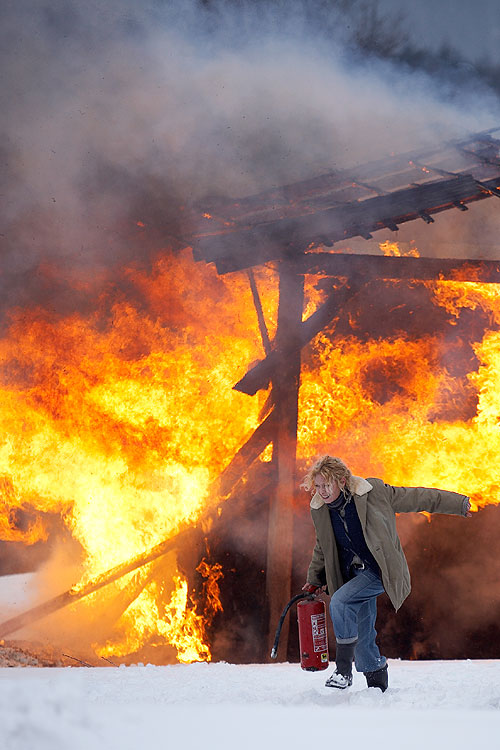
x=116, y=114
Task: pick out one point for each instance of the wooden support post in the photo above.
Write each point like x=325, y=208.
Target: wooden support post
x=286, y=381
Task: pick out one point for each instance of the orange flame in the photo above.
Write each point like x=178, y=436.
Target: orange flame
x=345, y=404
x=393, y=248
x=118, y=422
x=120, y=427
x=176, y=622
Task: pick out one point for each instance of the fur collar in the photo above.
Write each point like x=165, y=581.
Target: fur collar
x=359, y=486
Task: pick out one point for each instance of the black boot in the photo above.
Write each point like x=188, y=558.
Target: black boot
x=342, y=677
x=379, y=678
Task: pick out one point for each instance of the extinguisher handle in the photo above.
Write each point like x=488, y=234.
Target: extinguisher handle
x=303, y=595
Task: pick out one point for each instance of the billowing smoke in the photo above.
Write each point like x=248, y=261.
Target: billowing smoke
x=119, y=120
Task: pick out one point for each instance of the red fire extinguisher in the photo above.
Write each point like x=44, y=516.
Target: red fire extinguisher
x=313, y=638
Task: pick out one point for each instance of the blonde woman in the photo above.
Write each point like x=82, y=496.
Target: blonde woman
x=358, y=556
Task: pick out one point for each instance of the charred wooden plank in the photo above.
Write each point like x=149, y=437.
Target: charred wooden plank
x=76, y=593
x=244, y=458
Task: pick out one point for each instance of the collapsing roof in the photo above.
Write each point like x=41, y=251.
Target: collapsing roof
x=283, y=223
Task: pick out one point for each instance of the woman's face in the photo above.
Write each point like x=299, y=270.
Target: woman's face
x=329, y=491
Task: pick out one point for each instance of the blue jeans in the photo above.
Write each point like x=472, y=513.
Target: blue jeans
x=353, y=609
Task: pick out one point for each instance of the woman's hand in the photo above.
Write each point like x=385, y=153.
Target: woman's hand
x=311, y=588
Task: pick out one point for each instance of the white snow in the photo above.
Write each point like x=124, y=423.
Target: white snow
x=428, y=705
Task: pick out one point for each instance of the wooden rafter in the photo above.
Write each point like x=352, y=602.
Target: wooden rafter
x=285, y=238
x=281, y=223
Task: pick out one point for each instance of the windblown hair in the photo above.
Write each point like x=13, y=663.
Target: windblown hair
x=330, y=468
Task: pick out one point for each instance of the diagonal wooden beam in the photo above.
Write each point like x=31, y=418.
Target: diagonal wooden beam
x=266, y=342
x=260, y=375
x=76, y=593
x=244, y=458
x=220, y=489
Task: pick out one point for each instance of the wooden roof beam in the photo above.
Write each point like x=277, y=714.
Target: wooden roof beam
x=285, y=238
x=370, y=267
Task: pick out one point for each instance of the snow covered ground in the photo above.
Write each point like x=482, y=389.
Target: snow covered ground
x=428, y=705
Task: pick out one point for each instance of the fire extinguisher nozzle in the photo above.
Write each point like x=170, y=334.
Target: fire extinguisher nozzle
x=274, y=653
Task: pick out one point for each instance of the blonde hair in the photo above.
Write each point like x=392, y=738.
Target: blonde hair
x=331, y=469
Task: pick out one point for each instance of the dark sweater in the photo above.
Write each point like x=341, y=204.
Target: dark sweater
x=349, y=536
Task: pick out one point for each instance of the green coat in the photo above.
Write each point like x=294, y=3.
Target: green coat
x=377, y=504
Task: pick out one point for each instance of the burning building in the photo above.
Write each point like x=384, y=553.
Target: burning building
x=170, y=363
x=153, y=445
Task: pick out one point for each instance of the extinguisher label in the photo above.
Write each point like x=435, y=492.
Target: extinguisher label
x=318, y=626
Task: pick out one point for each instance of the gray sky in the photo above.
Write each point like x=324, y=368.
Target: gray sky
x=473, y=26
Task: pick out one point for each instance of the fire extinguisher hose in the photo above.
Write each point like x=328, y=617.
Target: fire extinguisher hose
x=303, y=595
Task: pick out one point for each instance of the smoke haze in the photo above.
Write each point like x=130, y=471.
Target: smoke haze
x=115, y=115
